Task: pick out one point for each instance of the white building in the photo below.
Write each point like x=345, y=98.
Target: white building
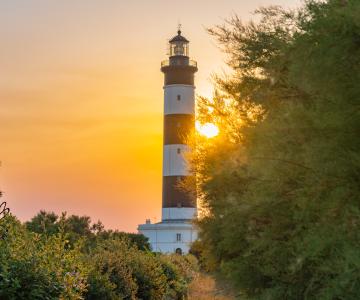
x=176, y=232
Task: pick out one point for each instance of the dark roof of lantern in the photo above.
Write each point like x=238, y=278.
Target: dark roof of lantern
x=178, y=38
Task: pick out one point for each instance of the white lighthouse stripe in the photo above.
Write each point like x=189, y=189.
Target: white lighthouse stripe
x=174, y=163
x=179, y=99
x=176, y=213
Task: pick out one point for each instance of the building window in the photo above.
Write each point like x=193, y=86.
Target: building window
x=178, y=150
x=178, y=237
x=179, y=205
x=178, y=97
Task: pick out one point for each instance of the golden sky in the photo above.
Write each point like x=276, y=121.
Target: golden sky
x=81, y=100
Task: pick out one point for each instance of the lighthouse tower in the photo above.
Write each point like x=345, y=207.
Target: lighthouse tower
x=178, y=125
x=176, y=232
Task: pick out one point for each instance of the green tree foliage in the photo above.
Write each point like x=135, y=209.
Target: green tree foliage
x=280, y=184
x=53, y=257
x=32, y=267
x=43, y=222
x=138, y=240
x=111, y=275
x=80, y=228
x=179, y=271
x=121, y=271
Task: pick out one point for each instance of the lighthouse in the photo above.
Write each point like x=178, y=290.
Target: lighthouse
x=176, y=231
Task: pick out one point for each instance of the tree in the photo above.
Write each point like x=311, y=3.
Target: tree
x=80, y=228
x=138, y=240
x=43, y=222
x=280, y=185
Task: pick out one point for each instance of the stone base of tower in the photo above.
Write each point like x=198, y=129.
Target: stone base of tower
x=173, y=236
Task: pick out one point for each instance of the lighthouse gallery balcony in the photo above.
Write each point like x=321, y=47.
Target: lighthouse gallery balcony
x=178, y=62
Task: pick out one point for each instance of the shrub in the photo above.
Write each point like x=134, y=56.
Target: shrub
x=47, y=265
x=32, y=267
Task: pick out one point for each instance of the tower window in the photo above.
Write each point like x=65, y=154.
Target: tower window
x=178, y=150
x=178, y=237
x=178, y=97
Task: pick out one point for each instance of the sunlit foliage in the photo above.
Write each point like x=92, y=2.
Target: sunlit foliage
x=280, y=183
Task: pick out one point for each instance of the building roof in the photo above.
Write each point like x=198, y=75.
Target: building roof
x=178, y=38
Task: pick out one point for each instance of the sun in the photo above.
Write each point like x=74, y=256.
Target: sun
x=208, y=129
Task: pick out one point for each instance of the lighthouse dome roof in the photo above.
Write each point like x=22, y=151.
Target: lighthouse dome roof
x=178, y=38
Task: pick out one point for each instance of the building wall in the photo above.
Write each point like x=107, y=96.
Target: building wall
x=164, y=239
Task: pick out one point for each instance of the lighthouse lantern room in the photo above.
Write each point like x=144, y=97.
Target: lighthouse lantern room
x=179, y=45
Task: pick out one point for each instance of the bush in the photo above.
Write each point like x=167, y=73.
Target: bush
x=32, y=267
x=111, y=272
x=121, y=271
x=179, y=271
x=56, y=262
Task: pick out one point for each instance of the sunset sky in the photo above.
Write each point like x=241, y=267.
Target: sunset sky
x=81, y=100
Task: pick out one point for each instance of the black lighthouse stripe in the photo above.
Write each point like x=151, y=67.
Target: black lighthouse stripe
x=177, y=128
x=180, y=75
x=174, y=196
x=179, y=71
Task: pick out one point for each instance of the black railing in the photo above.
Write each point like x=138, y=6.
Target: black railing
x=167, y=63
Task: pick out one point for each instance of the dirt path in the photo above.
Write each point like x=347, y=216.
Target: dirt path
x=204, y=288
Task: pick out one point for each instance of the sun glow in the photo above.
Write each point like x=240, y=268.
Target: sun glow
x=208, y=129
